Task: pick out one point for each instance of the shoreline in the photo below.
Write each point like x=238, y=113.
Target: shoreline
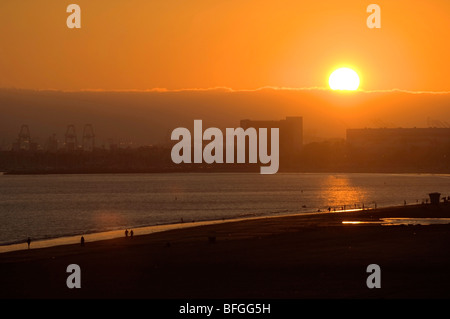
x=106, y=235
x=151, y=229
x=141, y=230
x=300, y=256
x=15, y=172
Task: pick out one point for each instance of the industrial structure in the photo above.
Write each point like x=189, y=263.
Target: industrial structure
x=70, y=139
x=70, y=144
x=24, y=142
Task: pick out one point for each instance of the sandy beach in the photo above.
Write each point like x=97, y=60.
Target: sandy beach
x=312, y=256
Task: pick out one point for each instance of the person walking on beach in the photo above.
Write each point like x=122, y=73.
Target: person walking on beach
x=29, y=242
x=131, y=233
x=82, y=241
x=126, y=232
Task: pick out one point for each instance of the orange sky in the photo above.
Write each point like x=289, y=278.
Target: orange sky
x=241, y=44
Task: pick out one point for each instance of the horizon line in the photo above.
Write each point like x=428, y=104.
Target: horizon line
x=229, y=89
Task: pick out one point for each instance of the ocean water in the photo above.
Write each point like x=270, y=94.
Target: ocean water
x=52, y=206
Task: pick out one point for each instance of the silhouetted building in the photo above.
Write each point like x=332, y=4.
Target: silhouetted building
x=88, y=143
x=291, y=132
x=398, y=138
x=52, y=144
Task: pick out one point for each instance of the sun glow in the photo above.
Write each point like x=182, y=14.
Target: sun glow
x=344, y=79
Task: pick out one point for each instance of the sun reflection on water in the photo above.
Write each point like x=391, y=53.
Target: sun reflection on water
x=340, y=194
x=400, y=221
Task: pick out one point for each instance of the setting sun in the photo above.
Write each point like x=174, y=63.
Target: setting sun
x=344, y=79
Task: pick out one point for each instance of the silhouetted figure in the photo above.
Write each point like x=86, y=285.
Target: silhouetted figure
x=126, y=233
x=131, y=233
x=29, y=242
x=82, y=241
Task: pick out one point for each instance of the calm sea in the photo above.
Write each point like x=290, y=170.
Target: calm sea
x=50, y=206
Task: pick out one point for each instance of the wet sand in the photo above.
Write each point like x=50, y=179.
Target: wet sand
x=293, y=257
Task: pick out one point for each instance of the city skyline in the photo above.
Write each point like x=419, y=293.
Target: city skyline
x=144, y=118
x=84, y=139
x=362, y=150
